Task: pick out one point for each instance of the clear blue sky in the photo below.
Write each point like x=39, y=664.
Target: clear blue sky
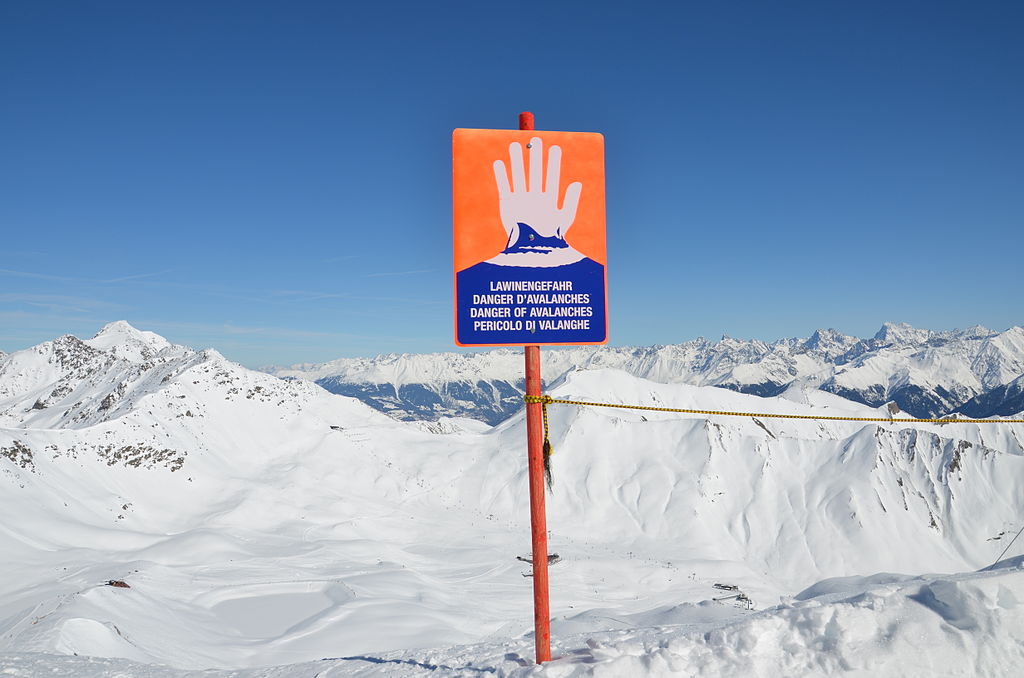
x=272, y=179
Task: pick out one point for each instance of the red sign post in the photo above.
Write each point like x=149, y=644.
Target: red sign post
x=522, y=279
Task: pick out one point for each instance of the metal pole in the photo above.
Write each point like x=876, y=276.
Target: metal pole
x=538, y=514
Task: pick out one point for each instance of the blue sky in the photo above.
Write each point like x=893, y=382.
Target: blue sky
x=272, y=179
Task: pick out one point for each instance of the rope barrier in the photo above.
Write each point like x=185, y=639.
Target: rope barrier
x=546, y=400
x=548, y=450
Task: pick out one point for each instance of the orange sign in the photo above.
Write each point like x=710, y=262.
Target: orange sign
x=529, y=237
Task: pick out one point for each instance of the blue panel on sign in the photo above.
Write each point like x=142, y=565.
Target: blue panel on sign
x=532, y=304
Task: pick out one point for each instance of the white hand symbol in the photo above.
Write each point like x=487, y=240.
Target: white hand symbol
x=526, y=202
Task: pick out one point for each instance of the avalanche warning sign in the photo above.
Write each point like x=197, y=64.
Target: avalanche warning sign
x=529, y=238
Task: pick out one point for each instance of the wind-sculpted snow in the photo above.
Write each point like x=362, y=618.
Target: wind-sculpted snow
x=962, y=625
x=305, y=531
x=886, y=627
x=926, y=373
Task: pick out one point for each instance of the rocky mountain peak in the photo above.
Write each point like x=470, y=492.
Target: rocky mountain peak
x=128, y=343
x=901, y=333
x=830, y=343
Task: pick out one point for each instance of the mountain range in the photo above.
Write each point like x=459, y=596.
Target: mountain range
x=927, y=374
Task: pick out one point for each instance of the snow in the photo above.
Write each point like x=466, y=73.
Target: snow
x=268, y=528
x=958, y=625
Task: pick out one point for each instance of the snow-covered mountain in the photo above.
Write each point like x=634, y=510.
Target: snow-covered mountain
x=259, y=521
x=1001, y=401
x=926, y=373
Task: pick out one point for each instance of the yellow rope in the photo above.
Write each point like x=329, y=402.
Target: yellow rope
x=546, y=400
x=547, y=450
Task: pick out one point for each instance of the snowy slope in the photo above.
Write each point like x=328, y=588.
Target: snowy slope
x=926, y=373
x=882, y=626
x=260, y=521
